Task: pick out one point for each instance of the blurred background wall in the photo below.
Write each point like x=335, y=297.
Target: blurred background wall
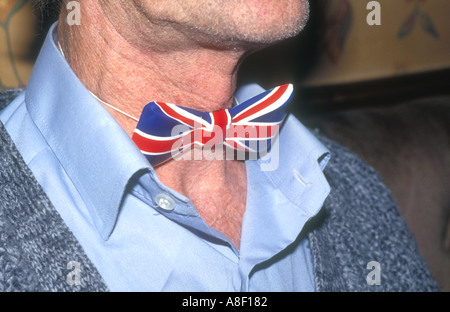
x=414, y=37
x=19, y=33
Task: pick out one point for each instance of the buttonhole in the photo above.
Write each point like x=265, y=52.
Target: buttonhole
x=300, y=179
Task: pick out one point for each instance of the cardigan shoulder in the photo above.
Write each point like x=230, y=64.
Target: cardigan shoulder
x=360, y=225
x=7, y=96
x=38, y=252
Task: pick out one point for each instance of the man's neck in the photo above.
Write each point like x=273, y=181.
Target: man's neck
x=128, y=75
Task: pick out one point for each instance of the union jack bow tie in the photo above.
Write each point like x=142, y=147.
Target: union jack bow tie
x=167, y=130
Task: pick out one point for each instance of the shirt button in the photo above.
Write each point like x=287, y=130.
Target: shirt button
x=165, y=202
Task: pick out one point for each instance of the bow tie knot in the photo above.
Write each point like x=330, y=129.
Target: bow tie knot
x=221, y=122
x=165, y=130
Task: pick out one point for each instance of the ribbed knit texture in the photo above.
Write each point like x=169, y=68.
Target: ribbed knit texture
x=359, y=223
x=35, y=244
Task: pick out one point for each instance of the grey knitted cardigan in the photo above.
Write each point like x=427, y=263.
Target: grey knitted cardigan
x=359, y=223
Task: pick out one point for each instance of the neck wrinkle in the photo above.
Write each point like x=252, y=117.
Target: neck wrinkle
x=127, y=76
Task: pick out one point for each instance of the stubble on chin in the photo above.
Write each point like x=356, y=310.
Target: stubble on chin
x=231, y=23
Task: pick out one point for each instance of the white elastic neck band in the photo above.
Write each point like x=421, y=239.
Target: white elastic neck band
x=96, y=97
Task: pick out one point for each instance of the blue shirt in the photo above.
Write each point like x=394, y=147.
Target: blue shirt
x=140, y=234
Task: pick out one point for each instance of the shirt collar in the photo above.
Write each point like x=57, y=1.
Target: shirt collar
x=93, y=149
x=297, y=158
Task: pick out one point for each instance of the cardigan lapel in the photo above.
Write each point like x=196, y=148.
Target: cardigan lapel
x=38, y=251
